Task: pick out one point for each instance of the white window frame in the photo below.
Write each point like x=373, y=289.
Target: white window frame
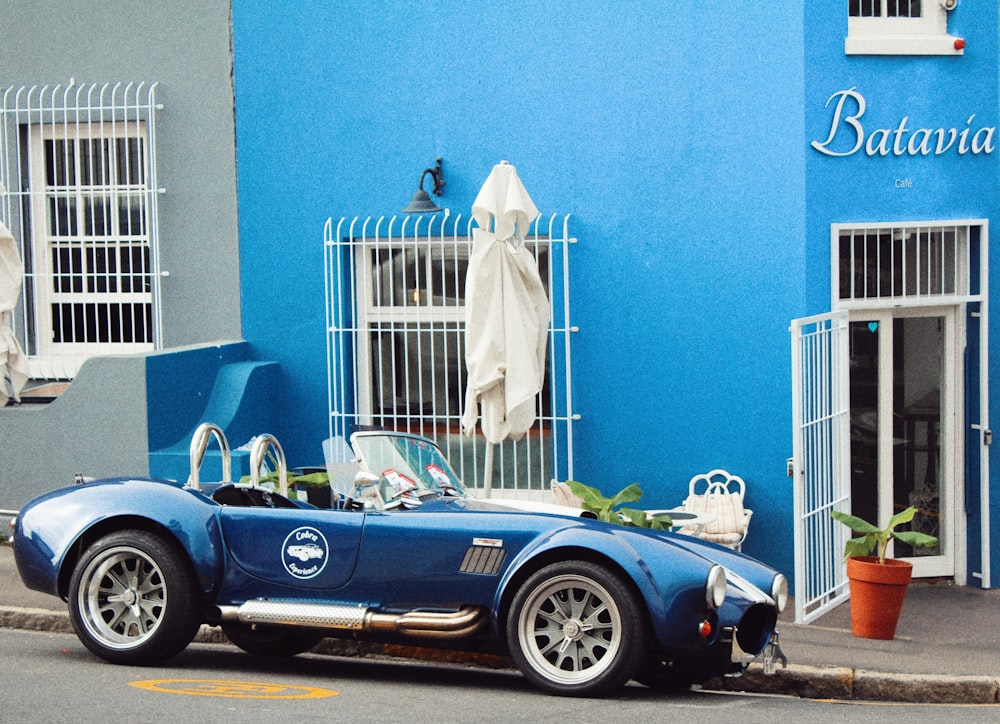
x=885, y=35
x=82, y=279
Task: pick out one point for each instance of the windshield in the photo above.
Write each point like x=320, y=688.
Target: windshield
x=408, y=465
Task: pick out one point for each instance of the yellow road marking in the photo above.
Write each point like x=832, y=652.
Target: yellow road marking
x=233, y=689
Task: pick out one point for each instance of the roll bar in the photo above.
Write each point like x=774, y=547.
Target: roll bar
x=199, y=443
x=260, y=445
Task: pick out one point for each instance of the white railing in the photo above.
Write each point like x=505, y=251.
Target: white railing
x=396, y=338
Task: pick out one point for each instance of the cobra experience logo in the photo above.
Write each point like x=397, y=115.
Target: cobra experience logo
x=304, y=552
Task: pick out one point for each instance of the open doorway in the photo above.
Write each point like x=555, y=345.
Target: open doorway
x=903, y=377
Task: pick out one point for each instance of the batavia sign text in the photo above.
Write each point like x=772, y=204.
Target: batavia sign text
x=847, y=133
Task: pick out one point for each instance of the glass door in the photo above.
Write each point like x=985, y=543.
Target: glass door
x=903, y=383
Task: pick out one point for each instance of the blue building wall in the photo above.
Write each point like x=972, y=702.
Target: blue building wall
x=673, y=135
x=933, y=92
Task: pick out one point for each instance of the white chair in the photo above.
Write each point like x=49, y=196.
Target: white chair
x=719, y=495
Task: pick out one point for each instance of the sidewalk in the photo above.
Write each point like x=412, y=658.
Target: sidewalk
x=946, y=650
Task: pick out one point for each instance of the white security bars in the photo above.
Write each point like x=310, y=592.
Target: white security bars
x=395, y=295
x=78, y=162
x=903, y=264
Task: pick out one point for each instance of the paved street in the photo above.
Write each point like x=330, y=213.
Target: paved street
x=52, y=678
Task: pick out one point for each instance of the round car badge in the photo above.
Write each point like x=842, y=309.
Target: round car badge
x=304, y=552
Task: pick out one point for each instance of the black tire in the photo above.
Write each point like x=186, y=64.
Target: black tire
x=577, y=629
x=133, y=599
x=270, y=640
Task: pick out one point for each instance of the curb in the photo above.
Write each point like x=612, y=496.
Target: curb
x=35, y=619
x=822, y=682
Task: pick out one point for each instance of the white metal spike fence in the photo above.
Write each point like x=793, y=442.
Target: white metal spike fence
x=821, y=461
x=395, y=291
x=79, y=165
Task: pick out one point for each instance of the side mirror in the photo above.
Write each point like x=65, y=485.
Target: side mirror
x=366, y=490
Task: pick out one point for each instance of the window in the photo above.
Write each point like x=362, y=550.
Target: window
x=396, y=343
x=900, y=27
x=85, y=208
x=902, y=264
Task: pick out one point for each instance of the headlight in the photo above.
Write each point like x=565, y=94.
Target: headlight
x=715, y=587
x=779, y=591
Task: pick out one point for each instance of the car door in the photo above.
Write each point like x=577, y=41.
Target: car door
x=314, y=549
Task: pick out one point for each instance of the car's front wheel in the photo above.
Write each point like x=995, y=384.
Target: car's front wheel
x=577, y=628
x=133, y=598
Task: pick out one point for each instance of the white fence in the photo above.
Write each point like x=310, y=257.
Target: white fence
x=395, y=292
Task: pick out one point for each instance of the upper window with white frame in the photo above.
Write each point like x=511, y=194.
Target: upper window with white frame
x=900, y=27
x=904, y=264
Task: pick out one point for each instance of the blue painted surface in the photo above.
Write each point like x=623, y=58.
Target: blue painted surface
x=216, y=384
x=677, y=138
x=959, y=92
x=674, y=142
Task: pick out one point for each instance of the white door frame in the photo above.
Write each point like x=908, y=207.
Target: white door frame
x=969, y=283
x=952, y=561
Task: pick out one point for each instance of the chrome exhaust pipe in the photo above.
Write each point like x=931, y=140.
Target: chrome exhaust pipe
x=345, y=617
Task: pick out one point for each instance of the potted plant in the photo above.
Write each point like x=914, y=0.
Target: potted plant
x=608, y=510
x=878, y=584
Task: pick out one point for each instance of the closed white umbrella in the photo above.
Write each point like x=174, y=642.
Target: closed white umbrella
x=506, y=315
x=13, y=363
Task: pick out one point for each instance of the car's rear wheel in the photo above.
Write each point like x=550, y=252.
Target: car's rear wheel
x=133, y=598
x=577, y=628
x=270, y=640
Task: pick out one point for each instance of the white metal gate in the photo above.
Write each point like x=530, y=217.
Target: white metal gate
x=821, y=460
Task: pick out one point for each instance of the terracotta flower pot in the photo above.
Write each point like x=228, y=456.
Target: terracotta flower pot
x=877, y=592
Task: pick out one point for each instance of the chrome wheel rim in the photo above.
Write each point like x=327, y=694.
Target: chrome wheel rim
x=570, y=629
x=122, y=597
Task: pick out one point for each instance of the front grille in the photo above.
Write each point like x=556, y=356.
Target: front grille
x=755, y=628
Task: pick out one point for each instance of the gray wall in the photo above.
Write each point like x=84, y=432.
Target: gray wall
x=99, y=426
x=96, y=428
x=184, y=45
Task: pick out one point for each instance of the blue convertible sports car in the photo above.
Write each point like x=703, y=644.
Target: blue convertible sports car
x=580, y=605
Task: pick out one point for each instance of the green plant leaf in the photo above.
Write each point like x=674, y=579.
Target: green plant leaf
x=903, y=516
x=592, y=498
x=853, y=522
x=863, y=546
x=631, y=494
x=660, y=522
x=916, y=538
x=634, y=517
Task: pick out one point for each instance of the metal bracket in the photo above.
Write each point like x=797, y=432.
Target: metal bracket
x=771, y=653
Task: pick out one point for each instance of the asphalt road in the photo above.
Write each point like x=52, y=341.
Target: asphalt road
x=52, y=678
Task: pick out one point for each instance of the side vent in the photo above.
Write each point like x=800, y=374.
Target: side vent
x=483, y=559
